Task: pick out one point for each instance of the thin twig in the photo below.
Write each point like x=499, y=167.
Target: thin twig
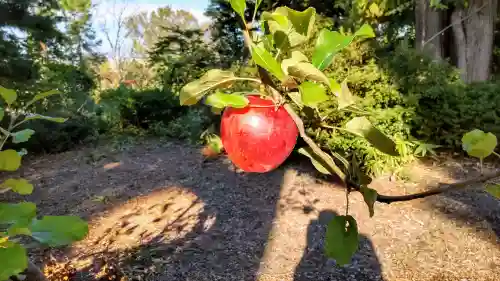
x=455, y=23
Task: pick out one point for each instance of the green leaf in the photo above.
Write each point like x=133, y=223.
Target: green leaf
x=43, y=117
x=20, y=186
x=312, y=94
x=370, y=197
x=264, y=59
x=191, y=93
x=42, y=96
x=479, y=144
x=365, y=31
x=362, y=127
x=341, y=241
x=59, y=230
x=316, y=161
x=2, y=113
x=345, y=97
x=295, y=96
x=18, y=230
x=13, y=260
x=215, y=143
x=8, y=95
x=221, y=100
x=307, y=71
x=289, y=27
x=328, y=44
x=296, y=57
x=19, y=213
x=257, y=5
x=10, y=160
x=239, y=7
x=493, y=189
x=302, y=22
x=22, y=136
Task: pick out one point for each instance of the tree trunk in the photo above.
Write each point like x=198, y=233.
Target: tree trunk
x=428, y=26
x=473, y=34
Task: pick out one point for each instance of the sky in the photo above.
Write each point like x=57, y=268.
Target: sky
x=106, y=11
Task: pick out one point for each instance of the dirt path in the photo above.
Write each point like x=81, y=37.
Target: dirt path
x=157, y=212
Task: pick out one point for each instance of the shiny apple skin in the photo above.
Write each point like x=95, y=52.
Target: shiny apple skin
x=259, y=137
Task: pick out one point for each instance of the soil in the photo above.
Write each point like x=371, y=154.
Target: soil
x=159, y=211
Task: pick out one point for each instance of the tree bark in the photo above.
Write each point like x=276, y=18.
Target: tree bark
x=428, y=24
x=459, y=41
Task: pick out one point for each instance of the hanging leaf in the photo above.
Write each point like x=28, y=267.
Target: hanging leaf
x=301, y=22
x=43, y=117
x=479, y=144
x=8, y=95
x=341, y=241
x=20, y=186
x=294, y=59
x=316, y=161
x=58, y=230
x=10, y=160
x=239, y=7
x=22, y=136
x=264, y=59
x=362, y=127
x=296, y=26
x=14, y=259
x=345, y=97
x=19, y=213
x=307, y=71
x=370, y=197
x=221, y=100
x=42, y=96
x=365, y=31
x=493, y=189
x=312, y=94
x=295, y=96
x=328, y=44
x=191, y=93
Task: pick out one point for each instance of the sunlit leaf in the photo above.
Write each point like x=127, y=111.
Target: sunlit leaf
x=191, y=93
x=19, y=213
x=479, y=144
x=295, y=96
x=307, y=71
x=43, y=117
x=42, y=96
x=20, y=186
x=59, y=230
x=14, y=260
x=302, y=22
x=341, y=241
x=215, y=143
x=312, y=94
x=375, y=10
x=370, y=197
x=294, y=59
x=2, y=113
x=315, y=159
x=493, y=189
x=8, y=95
x=239, y=7
x=222, y=100
x=22, y=136
x=328, y=44
x=296, y=26
x=362, y=127
x=345, y=97
x=264, y=59
x=10, y=160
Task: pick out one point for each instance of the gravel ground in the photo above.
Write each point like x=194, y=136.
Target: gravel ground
x=157, y=211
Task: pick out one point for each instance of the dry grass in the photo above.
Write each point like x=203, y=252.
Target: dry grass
x=158, y=212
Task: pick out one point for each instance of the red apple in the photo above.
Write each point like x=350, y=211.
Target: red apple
x=259, y=137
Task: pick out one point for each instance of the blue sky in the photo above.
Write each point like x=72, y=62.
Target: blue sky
x=107, y=11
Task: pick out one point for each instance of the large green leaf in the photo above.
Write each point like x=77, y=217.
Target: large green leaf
x=289, y=27
x=194, y=91
x=362, y=127
x=13, y=259
x=264, y=59
x=493, y=189
x=301, y=22
x=22, y=136
x=42, y=96
x=479, y=144
x=239, y=7
x=20, y=186
x=341, y=241
x=8, y=95
x=370, y=197
x=312, y=94
x=19, y=213
x=222, y=100
x=43, y=117
x=59, y=230
x=307, y=71
x=10, y=160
